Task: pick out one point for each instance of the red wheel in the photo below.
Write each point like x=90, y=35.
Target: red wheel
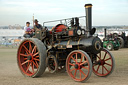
x=79, y=65
x=31, y=57
x=104, y=64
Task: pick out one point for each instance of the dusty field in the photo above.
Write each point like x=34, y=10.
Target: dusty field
x=10, y=74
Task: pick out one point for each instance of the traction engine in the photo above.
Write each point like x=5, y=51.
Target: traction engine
x=72, y=49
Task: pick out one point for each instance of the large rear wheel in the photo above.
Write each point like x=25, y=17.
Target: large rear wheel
x=31, y=57
x=79, y=65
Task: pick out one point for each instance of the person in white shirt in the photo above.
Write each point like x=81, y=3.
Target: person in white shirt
x=28, y=30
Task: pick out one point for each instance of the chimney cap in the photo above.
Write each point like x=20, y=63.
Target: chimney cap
x=88, y=5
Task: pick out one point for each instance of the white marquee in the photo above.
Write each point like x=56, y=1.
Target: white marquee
x=11, y=32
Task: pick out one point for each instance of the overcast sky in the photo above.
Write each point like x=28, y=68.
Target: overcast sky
x=105, y=12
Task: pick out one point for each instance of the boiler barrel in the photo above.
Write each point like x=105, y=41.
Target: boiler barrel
x=92, y=44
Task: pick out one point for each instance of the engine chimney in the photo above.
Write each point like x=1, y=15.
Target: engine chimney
x=88, y=8
x=105, y=33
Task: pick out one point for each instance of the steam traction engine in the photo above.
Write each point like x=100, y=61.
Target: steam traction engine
x=71, y=49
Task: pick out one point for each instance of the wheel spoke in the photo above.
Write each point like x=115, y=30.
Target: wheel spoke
x=82, y=72
x=27, y=51
x=75, y=73
x=35, y=64
x=73, y=58
x=81, y=58
x=105, y=55
x=107, y=59
x=25, y=62
x=99, y=57
x=32, y=65
x=36, y=54
x=28, y=67
x=98, y=68
x=23, y=55
x=76, y=57
x=25, y=58
x=72, y=69
x=83, y=63
x=108, y=64
x=71, y=64
x=36, y=59
x=30, y=47
x=33, y=49
x=106, y=69
x=102, y=70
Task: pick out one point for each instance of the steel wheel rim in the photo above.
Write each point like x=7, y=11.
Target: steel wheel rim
x=104, y=66
x=76, y=70
x=28, y=58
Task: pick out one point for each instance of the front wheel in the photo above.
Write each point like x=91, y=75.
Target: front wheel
x=110, y=46
x=79, y=65
x=104, y=64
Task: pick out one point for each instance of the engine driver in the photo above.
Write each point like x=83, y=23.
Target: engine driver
x=37, y=26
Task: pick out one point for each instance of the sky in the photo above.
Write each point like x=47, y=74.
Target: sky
x=104, y=12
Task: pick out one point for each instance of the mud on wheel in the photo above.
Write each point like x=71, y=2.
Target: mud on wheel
x=104, y=64
x=79, y=65
x=31, y=57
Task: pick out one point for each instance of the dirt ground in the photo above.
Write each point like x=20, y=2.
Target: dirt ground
x=10, y=74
